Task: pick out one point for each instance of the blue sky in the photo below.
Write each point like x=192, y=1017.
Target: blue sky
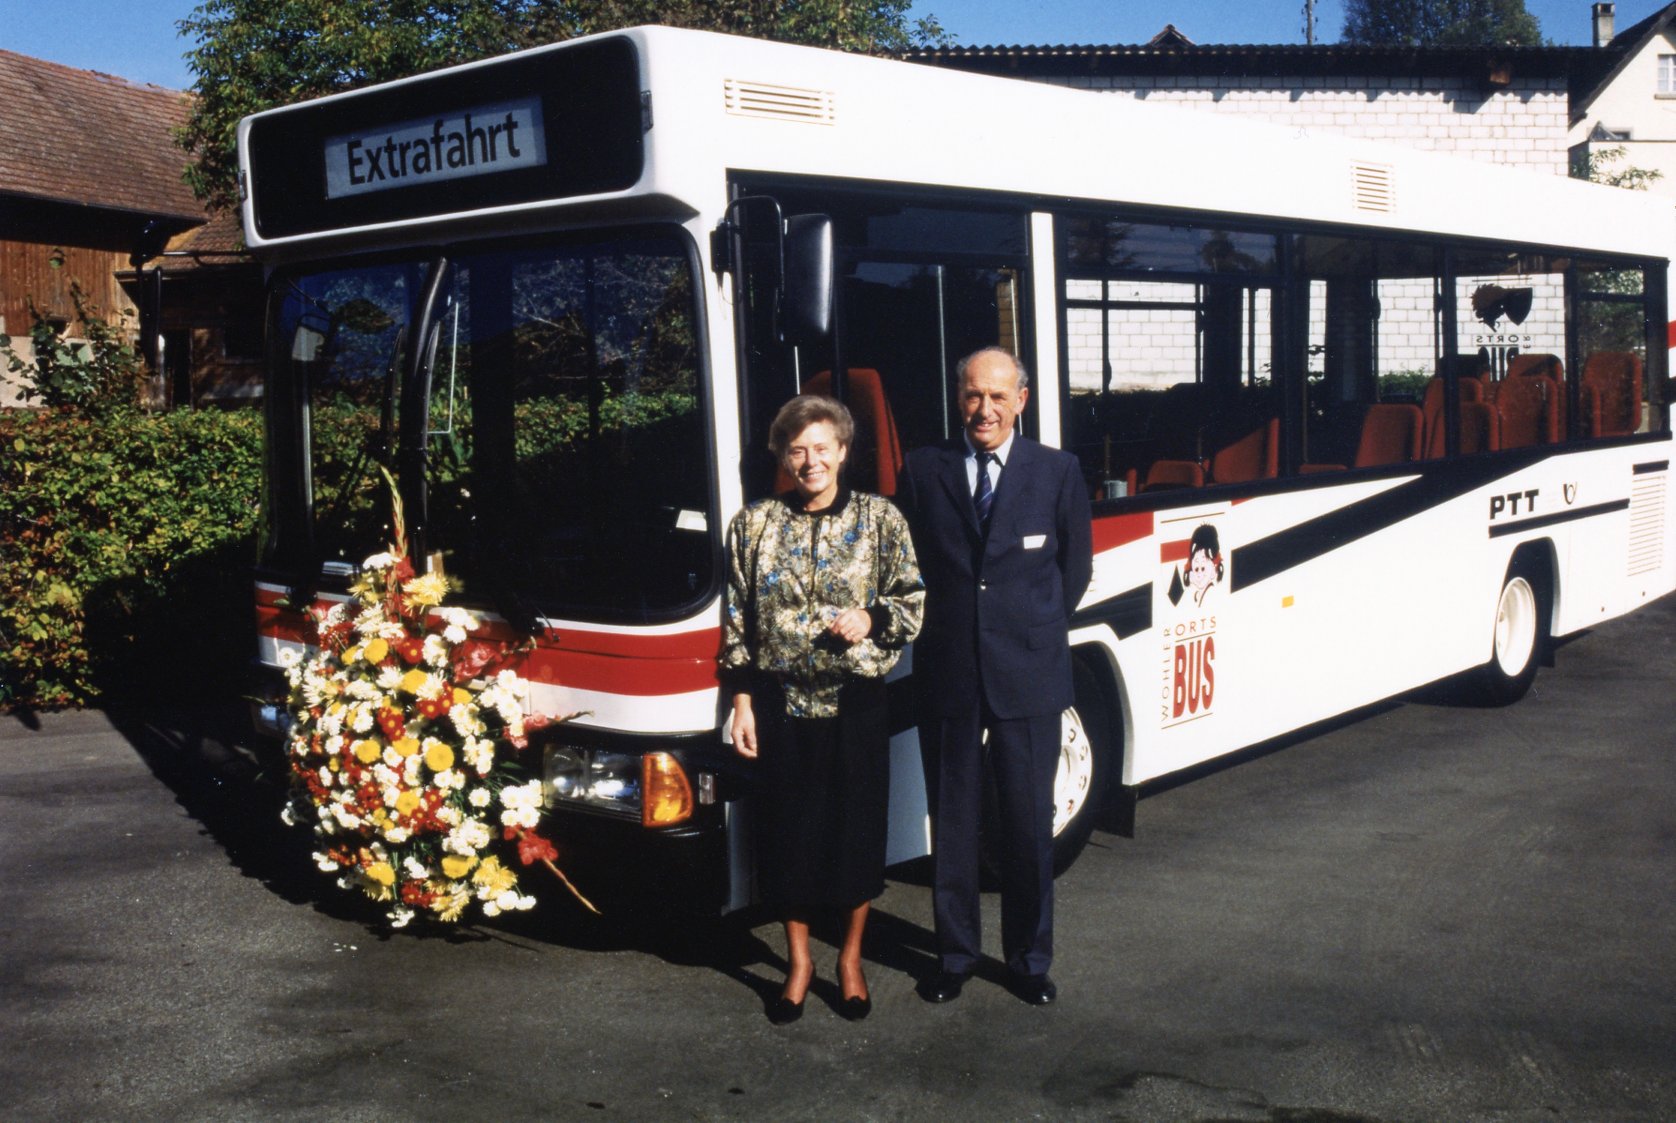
x=136, y=39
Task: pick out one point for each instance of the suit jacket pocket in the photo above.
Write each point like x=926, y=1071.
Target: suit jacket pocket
x=1042, y=636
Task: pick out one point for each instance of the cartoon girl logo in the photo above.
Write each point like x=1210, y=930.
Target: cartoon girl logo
x=1203, y=568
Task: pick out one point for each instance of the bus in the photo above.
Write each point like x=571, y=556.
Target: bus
x=1354, y=419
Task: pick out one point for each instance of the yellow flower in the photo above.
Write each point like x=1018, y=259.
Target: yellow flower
x=375, y=651
x=414, y=680
x=382, y=872
x=461, y=695
x=457, y=866
x=407, y=746
x=427, y=590
x=439, y=756
x=495, y=877
x=367, y=752
x=407, y=802
x=351, y=654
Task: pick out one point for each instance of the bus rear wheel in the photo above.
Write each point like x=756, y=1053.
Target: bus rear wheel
x=1517, y=639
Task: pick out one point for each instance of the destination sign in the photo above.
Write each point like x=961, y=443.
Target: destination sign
x=485, y=139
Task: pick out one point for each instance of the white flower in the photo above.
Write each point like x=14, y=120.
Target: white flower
x=479, y=754
x=449, y=814
x=455, y=634
x=468, y=838
x=400, y=915
x=371, y=622
x=522, y=805
x=379, y=561
x=480, y=797
x=361, y=719
x=289, y=658
x=389, y=678
x=435, y=650
x=458, y=618
x=415, y=869
x=449, y=780
x=397, y=835
x=326, y=864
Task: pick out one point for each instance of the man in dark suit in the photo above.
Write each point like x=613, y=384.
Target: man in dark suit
x=1001, y=528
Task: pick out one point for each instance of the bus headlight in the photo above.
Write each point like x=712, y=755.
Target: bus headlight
x=652, y=787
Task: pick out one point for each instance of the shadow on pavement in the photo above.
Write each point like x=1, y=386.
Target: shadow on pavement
x=235, y=791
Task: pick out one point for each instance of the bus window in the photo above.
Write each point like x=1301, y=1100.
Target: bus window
x=340, y=346
x=1169, y=353
x=565, y=479
x=1612, y=341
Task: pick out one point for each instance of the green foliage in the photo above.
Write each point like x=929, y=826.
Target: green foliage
x=1598, y=165
x=250, y=55
x=1440, y=23
x=87, y=364
x=125, y=547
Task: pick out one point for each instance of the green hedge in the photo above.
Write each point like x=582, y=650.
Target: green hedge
x=126, y=545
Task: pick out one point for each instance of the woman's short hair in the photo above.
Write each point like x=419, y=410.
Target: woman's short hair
x=804, y=411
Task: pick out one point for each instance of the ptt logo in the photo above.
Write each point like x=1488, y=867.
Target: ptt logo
x=1511, y=503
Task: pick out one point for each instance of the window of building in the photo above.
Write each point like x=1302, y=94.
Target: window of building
x=1667, y=75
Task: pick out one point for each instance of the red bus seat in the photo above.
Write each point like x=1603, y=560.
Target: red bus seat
x=1390, y=434
x=1528, y=409
x=1613, y=382
x=1255, y=456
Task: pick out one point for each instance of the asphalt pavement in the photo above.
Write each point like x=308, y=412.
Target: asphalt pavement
x=1429, y=913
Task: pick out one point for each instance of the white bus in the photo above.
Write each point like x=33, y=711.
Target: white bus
x=1354, y=419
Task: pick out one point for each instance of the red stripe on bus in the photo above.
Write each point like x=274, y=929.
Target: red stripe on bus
x=609, y=663
x=1173, y=551
x=1120, y=530
x=1670, y=334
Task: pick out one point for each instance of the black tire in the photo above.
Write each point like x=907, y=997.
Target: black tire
x=1519, y=634
x=1087, y=759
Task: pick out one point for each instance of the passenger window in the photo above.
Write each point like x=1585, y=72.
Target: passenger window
x=1168, y=342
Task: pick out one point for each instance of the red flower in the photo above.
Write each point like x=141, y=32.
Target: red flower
x=532, y=848
x=411, y=649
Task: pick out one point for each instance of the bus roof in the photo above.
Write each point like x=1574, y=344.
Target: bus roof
x=705, y=105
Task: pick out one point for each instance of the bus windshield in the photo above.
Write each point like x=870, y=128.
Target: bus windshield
x=565, y=466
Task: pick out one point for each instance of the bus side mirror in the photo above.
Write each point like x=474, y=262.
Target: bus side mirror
x=806, y=311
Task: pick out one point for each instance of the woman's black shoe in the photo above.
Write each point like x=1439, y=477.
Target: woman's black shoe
x=783, y=1011
x=855, y=1009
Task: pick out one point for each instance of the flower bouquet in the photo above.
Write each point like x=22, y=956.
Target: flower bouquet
x=402, y=749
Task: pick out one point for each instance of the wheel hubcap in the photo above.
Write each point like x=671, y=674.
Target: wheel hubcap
x=1515, y=626
x=1075, y=773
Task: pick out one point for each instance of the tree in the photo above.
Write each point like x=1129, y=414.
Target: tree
x=86, y=363
x=250, y=55
x=1598, y=164
x=1440, y=23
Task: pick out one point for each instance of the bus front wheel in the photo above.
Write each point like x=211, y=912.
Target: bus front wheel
x=1083, y=772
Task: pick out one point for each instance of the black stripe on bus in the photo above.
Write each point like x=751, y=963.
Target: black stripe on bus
x=1503, y=529
x=1285, y=549
x=1652, y=466
x=1128, y=613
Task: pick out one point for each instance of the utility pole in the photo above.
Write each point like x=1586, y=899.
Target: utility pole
x=1309, y=22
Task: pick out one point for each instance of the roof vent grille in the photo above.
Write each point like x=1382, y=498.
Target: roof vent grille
x=1372, y=188
x=779, y=103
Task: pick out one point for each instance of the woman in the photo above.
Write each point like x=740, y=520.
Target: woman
x=823, y=593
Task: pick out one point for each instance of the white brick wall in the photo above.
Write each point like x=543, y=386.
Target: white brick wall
x=1523, y=125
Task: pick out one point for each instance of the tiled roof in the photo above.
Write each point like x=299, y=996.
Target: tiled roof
x=79, y=136
x=220, y=241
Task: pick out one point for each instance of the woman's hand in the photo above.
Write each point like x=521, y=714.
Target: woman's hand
x=744, y=727
x=852, y=625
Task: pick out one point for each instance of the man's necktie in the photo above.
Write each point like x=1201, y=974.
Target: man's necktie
x=983, y=498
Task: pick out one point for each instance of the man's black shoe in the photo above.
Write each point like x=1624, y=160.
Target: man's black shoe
x=1038, y=990
x=944, y=988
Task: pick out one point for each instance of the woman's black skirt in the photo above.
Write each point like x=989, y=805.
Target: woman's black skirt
x=822, y=803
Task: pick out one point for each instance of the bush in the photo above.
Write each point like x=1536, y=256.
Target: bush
x=126, y=543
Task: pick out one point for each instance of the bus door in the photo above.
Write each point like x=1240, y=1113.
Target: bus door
x=918, y=287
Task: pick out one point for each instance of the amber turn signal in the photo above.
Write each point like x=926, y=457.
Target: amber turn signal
x=665, y=792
